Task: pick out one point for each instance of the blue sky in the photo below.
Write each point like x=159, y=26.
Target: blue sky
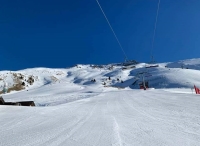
x=49, y=33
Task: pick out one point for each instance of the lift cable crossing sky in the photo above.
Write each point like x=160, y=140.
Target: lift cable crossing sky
x=126, y=58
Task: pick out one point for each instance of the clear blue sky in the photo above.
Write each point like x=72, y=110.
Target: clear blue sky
x=61, y=33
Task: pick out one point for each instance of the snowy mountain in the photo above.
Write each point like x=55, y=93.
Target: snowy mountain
x=166, y=75
x=102, y=105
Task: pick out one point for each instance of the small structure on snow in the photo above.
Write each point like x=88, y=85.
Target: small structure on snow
x=151, y=66
x=144, y=85
x=19, y=103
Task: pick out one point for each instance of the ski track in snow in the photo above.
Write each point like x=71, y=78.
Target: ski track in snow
x=117, y=136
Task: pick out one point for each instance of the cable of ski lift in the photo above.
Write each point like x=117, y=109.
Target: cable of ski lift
x=154, y=33
x=126, y=58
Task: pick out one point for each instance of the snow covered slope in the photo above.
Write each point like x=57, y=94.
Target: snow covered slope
x=102, y=118
x=73, y=109
x=167, y=75
x=190, y=63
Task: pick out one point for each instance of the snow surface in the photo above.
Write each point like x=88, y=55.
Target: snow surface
x=73, y=111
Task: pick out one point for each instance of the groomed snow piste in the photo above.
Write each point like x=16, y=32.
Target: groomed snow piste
x=71, y=110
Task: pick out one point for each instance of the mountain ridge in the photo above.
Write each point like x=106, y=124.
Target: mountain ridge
x=180, y=74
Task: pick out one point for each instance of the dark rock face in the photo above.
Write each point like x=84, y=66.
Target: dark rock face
x=30, y=80
x=23, y=84
x=93, y=80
